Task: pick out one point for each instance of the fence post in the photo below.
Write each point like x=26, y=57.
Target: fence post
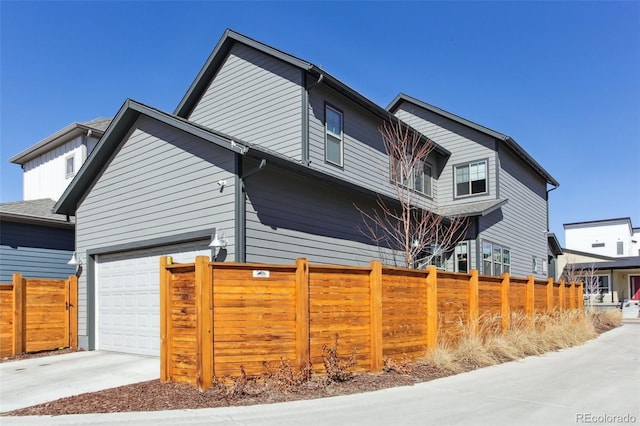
x=165, y=321
x=375, y=306
x=530, y=296
x=550, y=304
x=19, y=297
x=474, y=294
x=432, y=307
x=204, y=323
x=73, y=311
x=561, y=305
x=303, y=356
x=505, y=307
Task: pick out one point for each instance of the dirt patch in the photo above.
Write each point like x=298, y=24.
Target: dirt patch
x=154, y=395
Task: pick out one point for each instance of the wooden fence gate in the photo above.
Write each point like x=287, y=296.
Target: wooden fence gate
x=38, y=314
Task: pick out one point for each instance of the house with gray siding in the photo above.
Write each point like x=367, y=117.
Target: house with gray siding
x=266, y=151
x=488, y=168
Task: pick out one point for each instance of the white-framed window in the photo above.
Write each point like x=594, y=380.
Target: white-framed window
x=471, y=179
x=539, y=265
x=70, y=166
x=418, y=179
x=496, y=259
x=619, y=248
x=462, y=257
x=334, y=136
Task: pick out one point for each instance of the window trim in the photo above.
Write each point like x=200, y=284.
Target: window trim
x=67, y=173
x=397, y=179
x=328, y=134
x=468, y=166
x=456, y=264
x=492, y=247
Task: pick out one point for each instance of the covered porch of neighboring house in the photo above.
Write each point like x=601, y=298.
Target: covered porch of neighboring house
x=614, y=282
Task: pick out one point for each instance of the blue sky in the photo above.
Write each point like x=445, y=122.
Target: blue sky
x=561, y=78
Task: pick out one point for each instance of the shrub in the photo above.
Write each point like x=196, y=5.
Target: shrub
x=336, y=369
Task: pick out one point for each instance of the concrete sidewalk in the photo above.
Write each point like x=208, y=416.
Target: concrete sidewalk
x=596, y=383
x=37, y=380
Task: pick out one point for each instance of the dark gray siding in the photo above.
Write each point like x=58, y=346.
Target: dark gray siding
x=366, y=163
x=160, y=183
x=35, y=251
x=521, y=224
x=257, y=99
x=466, y=145
x=291, y=216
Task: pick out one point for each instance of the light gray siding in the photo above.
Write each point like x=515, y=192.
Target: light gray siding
x=257, y=99
x=291, y=216
x=521, y=224
x=466, y=145
x=161, y=182
x=366, y=163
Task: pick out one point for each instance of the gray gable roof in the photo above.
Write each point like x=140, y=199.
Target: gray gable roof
x=33, y=211
x=222, y=49
x=73, y=130
x=507, y=140
x=106, y=148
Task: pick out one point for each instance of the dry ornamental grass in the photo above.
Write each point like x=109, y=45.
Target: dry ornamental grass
x=488, y=346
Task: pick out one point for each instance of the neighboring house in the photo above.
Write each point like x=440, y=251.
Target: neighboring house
x=271, y=153
x=609, y=237
x=491, y=178
x=607, y=249
x=34, y=241
x=50, y=165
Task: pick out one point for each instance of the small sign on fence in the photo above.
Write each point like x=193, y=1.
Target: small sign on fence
x=260, y=274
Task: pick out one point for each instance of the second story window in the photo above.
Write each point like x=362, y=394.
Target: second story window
x=70, y=168
x=471, y=178
x=334, y=136
x=418, y=179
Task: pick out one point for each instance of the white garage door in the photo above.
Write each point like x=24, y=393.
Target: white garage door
x=128, y=297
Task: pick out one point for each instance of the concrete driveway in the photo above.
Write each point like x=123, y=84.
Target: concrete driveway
x=37, y=380
x=595, y=383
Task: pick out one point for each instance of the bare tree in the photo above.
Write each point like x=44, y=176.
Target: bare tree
x=586, y=275
x=402, y=225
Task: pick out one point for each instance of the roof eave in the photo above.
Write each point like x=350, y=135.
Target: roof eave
x=102, y=153
x=60, y=137
x=19, y=218
x=509, y=141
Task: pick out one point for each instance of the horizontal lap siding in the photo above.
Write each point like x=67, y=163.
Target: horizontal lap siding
x=290, y=216
x=254, y=319
x=465, y=145
x=45, y=316
x=521, y=224
x=339, y=306
x=366, y=163
x=257, y=99
x=161, y=182
x=182, y=296
x=404, y=313
x=6, y=320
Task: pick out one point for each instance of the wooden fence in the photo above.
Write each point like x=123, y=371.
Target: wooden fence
x=38, y=314
x=219, y=317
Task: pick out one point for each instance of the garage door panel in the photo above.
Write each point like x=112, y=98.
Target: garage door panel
x=128, y=297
